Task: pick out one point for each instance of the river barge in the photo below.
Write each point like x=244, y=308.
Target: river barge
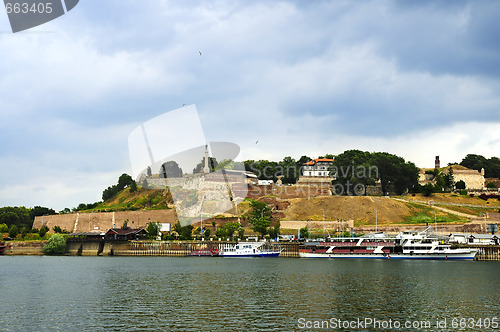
x=406, y=245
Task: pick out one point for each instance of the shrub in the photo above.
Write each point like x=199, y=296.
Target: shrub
x=57, y=229
x=4, y=228
x=43, y=230
x=56, y=245
x=13, y=231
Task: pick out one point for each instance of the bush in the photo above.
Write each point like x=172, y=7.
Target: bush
x=13, y=231
x=43, y=230
x=4, y=228
x=463, y=192
x=56, y=245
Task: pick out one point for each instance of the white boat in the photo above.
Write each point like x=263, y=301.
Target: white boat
x=249, y=249
x=406, y=245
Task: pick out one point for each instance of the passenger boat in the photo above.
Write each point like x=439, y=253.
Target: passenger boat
x=250, y=249
x=406, y=245
x=2, y=247
x=204, y=252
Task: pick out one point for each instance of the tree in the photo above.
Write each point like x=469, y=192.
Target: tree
x=4, y=228
x=13, y=231
x=212, y=164
x=491, y=185
x=153, y=229
x=460, y=185
x=274, y=231
x=57, y=229
x=260, y=225
x=38, y=211
x=231, y=227
x=304, y=232
x=491, y=166
x=206, y=232
x=124, y=181
x=354, y=170
x=289, y=169
x=428, y=189
x=43, y=230
x=56, y=245
x=170, y=169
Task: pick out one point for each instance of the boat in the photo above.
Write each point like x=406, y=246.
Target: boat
x=211, y=252
x=250, y=249
x=406, y=245
x=2, y=247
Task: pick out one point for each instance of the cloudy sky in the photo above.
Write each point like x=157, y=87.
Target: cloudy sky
x=417, y=79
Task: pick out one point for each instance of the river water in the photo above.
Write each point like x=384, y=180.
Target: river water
x=231, y=294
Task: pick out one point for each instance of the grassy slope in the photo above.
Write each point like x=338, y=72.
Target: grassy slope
x=359, y=209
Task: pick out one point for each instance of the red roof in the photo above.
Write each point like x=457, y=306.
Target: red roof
x=314, y=161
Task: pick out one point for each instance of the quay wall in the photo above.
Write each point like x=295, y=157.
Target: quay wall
x=24, y=248
x=173, y=248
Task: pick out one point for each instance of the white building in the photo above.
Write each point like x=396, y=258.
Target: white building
x=317, y=167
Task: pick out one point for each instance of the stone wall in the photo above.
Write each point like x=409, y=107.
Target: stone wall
x=103, y=221
x=473, y=179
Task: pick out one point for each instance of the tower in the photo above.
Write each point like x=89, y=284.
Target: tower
x=437, y=163
x=206, y=169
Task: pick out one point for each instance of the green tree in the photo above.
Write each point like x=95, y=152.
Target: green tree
x=206, y=232
x=241, y=233
x=38, y=211
x=43, y=230
x=56, y=245
x=13, y=231
x=289, y=169
x=23, y=232
x=460, y=185
x=259, y=216
x=491, y=185
x=153, y=229
x=354, y=169
x=491, y=166
x=124, y=181
x=4, y=228
x=274, y=231
x=304, y=232
x=231, y=227
x=428, y=189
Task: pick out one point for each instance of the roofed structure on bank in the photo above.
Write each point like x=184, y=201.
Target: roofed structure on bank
x=125, y=233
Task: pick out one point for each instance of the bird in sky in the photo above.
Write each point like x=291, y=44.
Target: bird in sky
x=256, y=142
x=200, y=52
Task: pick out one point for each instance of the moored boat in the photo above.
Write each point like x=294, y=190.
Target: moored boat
x=250, y=249
x=406, y=245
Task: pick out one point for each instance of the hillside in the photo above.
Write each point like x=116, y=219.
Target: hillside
x=363, y=210
x=149, y=199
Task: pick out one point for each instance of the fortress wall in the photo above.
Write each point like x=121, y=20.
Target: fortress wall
x=102, y=221
x=472, y=179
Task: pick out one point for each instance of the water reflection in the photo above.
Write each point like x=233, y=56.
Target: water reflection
x=192, y=294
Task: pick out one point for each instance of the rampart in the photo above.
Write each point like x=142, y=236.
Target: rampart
x=102, y=221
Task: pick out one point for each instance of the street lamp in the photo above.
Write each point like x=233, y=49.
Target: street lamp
x=323, y=223
x=376, y=220
x=435, y=221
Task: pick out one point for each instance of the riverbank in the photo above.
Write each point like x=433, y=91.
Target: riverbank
x=172, y=248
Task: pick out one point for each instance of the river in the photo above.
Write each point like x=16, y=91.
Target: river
x=70, y=293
